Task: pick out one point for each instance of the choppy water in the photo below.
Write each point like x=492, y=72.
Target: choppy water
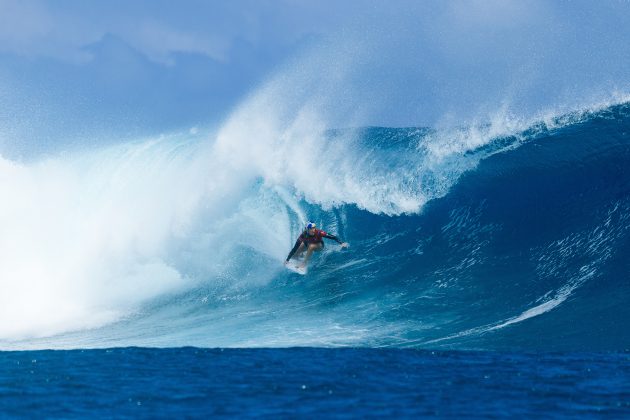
x=306, y=382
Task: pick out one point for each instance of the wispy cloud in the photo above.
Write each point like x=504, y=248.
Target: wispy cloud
x=157, y=29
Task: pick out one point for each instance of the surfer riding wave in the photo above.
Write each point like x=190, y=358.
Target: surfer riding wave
x=309, y=241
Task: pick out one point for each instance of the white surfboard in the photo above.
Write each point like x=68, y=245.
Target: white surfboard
x=297, y=266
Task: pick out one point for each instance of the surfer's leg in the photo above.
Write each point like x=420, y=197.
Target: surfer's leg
x=299, y=251
x=311, y=249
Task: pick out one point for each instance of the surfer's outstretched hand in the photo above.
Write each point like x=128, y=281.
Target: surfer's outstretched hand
x=345, y=245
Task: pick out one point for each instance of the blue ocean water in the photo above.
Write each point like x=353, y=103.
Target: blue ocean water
x=487, y=272
x=308, y=382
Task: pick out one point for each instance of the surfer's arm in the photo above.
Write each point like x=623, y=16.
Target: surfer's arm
x=295, y=248
x=333, y=237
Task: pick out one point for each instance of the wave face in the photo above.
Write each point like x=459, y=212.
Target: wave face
x=500, y=236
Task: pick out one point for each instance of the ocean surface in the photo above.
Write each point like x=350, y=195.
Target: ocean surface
x=312, y=382
x=487, y=273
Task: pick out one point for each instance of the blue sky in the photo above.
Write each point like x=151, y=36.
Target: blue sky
x=107, y=70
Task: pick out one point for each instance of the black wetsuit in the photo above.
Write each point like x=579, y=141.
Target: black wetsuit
x=307, y=239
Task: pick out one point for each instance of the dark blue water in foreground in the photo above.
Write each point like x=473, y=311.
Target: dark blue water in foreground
x=192, y=382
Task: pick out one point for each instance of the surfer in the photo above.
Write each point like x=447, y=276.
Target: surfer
x=311, y=240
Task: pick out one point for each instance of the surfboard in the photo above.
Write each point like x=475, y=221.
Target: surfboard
x=296, y=266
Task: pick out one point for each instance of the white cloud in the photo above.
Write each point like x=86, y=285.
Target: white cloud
x=158, y=41
x=40, y=28
x=37, y=28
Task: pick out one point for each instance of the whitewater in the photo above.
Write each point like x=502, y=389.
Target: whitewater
x=504, y=234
